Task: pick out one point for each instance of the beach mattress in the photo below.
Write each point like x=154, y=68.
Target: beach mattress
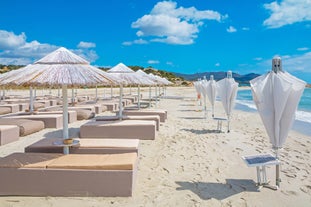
x=50, y=174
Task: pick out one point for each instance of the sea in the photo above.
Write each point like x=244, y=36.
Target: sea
x=302, y=122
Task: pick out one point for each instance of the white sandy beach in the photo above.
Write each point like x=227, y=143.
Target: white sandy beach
x=189, y=164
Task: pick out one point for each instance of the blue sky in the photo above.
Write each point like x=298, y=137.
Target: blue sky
x=185, y=36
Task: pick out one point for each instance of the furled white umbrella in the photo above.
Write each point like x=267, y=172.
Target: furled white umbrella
x=276, y=95
x=202, y=84
x=211, y=92
x=227, y=89
x=59, y=68
x=198, y=90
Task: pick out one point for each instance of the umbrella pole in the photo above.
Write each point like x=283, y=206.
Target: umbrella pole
x=138, y=97
x=205, y=111
x=65, y=117
x=120, y=102
x=277, y=170
x=111, y=91
x=228, y=123
x=31, y=100
x=149, y=96
x=96, y=93
x=3, y=96
x=58, y=93
x=156, y=95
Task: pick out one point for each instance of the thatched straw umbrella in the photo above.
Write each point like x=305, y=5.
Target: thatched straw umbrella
x=59, y=68
x=127, y=77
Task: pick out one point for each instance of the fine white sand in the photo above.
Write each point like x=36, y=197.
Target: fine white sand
x=190, y=164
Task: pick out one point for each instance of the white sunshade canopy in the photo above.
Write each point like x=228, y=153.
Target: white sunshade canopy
x=211, y=93
x=276, y=96
x=227, y=90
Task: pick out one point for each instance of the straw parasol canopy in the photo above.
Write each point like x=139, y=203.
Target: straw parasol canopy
x=59, y=68
x=127, y=77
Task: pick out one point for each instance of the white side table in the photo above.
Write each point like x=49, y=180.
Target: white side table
x=260, y=161
x=60, y=143
x=219, y=123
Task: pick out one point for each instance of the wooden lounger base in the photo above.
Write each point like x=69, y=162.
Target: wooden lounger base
x=49, y=174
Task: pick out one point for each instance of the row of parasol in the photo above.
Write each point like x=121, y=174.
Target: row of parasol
x=276, y=95
x=62, y=68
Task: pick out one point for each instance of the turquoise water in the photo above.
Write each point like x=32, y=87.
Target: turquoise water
x=303, y=114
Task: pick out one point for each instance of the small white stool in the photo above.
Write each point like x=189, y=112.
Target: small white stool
x=219, y=123
x=260, y=161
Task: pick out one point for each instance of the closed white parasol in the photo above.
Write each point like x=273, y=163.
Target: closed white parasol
x=276, y=95
x=227, y=90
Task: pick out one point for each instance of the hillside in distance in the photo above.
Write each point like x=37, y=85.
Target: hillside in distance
x=242, y=79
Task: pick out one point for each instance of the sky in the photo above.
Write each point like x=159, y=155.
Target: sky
x=184, y=36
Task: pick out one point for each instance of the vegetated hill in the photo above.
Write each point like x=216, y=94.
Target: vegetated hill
x=242, y=79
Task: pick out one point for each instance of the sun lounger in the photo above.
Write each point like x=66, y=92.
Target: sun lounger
x=159, y=112
x=90, y=108
x=97, y=107
x=82, y=114
x=86, y=146
x=111, y=106
x=13, y=107
x=8, y=133
x=50, y=174
x=128, y=129
x=155, y=118
x=72, y=115
x=26, y=126
x=50, y=120
x=4, y=110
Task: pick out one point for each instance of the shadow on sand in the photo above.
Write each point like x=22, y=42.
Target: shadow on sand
x=190, y=110
x=202, y=131
x=192, y=117
x=218, y=191
x=72, y=132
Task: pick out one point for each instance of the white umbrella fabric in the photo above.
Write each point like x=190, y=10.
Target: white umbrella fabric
x=59, y=68
x=227, y=89
x=276, y=95
x=211, y=92
x=202, y=84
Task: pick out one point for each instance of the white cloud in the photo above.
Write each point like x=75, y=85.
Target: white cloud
x=297, y=63
x=15, y=50
x=153, y=62
x=302, y=48
x=245, y=28
x=217, y=64
x=138, y=42
x=86, y=45
x=287, y=12
x=258, y=58
x=9, y=40
x=170, y=24
x=231, y=29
